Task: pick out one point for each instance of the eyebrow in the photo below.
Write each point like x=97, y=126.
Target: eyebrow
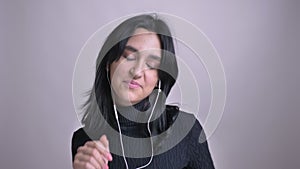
x=132, y=49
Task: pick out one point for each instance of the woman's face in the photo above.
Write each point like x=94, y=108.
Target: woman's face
x=134, y=75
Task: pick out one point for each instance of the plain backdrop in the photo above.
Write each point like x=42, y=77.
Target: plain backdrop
x=257, y=40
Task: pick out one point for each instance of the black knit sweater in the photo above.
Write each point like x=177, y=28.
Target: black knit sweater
x=179, y=147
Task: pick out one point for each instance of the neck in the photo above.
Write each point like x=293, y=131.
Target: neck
x=142, y=106
x=136, y=113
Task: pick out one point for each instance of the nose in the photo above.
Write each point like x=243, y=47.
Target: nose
x=137, y=70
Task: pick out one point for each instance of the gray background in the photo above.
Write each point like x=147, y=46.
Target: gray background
x=258, y=42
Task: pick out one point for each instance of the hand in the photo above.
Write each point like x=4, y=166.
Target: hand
x=93, y=155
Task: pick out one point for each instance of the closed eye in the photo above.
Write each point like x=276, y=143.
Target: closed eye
x=129, y=53
x=152, y=65
x=129, y=57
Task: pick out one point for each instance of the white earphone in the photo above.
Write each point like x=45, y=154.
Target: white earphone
x=159, y=87
x=148, y=127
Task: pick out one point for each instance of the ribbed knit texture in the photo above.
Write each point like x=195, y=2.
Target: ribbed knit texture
x=188, y=153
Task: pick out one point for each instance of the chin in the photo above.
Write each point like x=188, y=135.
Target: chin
x=134, y=100
x=127, y=100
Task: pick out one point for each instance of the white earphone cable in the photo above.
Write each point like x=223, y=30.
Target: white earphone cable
x=119, y=127
x=120, y=134
x=148, y=127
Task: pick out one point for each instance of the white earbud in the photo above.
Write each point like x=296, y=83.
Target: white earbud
x=159, y=86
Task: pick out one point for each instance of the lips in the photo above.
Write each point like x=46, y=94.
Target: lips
x=133, y=84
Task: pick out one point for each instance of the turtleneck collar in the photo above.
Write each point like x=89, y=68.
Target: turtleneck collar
x=133, y=119
x=137, y=113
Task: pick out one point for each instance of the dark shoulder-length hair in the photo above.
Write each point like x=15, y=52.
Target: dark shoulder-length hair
x=99, y=105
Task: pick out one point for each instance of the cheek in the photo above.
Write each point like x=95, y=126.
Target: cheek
x=112, y=69
x=118, y=69
x=152, y=79
x=115, y=74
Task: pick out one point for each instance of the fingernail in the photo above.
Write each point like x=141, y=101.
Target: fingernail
x=109, y=156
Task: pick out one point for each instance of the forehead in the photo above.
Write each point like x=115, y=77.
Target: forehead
x=144, y=40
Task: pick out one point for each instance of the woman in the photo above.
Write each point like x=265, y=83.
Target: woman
x=126, y=121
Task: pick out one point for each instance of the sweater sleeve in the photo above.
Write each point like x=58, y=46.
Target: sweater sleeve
x=199, y=154
x=79, y=139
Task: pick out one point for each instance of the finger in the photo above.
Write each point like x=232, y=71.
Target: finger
x=82, y=165
x=100, y=147
x=89, y=159
x=105, y=142
x=106, y=152
x=92, y=155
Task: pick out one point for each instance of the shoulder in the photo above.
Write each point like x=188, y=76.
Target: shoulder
x=186, y=121
x=174, y=113
x=80, y=133
x=80, y=136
